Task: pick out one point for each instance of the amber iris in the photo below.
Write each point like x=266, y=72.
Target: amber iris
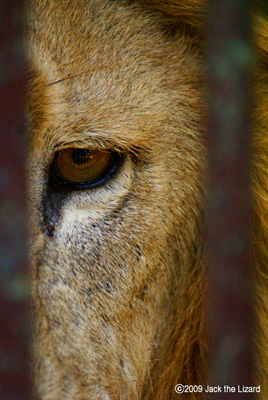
x=81, y=165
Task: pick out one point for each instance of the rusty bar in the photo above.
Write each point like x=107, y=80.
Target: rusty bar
x=14, y=332
x=230, y=61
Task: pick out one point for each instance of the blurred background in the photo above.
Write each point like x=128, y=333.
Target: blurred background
x=14, y=282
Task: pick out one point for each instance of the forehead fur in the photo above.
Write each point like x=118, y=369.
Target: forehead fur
x=79, y=84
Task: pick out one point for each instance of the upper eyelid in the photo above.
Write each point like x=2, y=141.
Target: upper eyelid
x=134, y=152
x=97, y=145
x=87, y=139
x=84, y=144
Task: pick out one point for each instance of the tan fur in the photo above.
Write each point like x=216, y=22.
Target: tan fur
x=118, y=290
x=260, y=190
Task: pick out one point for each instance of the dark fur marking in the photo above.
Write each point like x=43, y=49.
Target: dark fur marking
x=142, y=292
x=51, y=210
x=108, y=286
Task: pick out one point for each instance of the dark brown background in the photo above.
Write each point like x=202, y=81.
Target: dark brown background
x=14, y=284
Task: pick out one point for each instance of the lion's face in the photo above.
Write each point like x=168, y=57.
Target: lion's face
x=116, y=166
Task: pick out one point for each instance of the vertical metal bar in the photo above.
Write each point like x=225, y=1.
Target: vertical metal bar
x=230, y=62
x=14, y=331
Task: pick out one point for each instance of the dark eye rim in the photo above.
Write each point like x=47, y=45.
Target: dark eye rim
x=56, y=181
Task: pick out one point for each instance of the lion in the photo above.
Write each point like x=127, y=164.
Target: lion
x=117, y=186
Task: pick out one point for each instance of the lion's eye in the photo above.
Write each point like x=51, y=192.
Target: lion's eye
x=82, y=168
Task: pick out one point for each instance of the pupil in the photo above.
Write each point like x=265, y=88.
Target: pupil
x=81, y=156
